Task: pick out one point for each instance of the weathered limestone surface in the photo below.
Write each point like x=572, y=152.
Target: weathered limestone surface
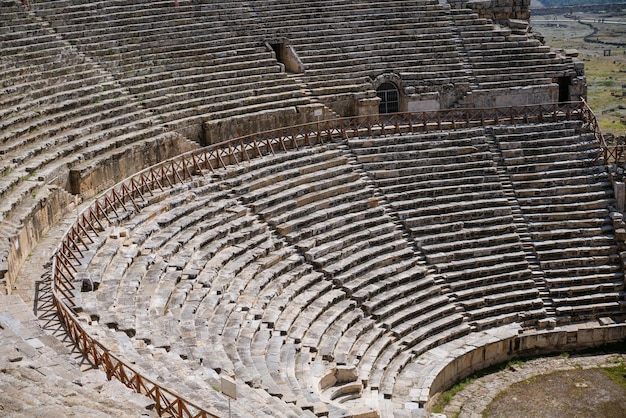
x=372, y=255
x=501, y=11
x=39, y=376
x=367, y=256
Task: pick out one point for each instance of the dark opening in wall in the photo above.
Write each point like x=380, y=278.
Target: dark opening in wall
x=287, y=57
x=389, y=98
x=278, y=51
x=564, y=84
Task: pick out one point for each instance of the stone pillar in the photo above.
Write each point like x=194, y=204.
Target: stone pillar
x=367, y=106
x=620, y=194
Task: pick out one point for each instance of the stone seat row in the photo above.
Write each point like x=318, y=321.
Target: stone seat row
x=421, y=20
x=434, y=165
x=165, y=72
x=262, y=186
x=342, y=58
x=26, y=141
x=568, y=194
x=433, y=153
x=142, y=20
x=471, y=248
x=207, y=45
x=515, y=66
x=449, y=242
x=531, y=55
x=505, y=49
x=363, y=69
x=442, y=74
x=559, y=216
x=225, y=97
x=466, y=249
x=402, y=31
x=568, y=128
x=194, y=81
x=417, y=35
x=553, y=178
x=372, y=145
x=482, y=177
x=366, y=7
x=530, y=148
x=379, y=38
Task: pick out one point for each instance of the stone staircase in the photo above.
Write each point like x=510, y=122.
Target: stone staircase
x=521, y=227
x=564, y=198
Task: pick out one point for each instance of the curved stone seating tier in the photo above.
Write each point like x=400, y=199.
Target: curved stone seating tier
x=461, y=221
x=199, y=76
x=424, y=31
x=63, y=117
x=364, y=254
x=157, y=41
x=197, y=275
x=178, y=286
x=76, y=102
x=565, y=197
x=520, y=57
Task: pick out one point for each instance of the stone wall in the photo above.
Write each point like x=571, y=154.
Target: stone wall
x=451, y=363
x=519, y=96
x=500, y=11
x=216, y=131
x=53, y=204
x=91, y=178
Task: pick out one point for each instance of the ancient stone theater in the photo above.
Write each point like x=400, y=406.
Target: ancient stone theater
x=293, y=208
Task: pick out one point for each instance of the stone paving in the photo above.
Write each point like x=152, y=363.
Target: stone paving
x=474, y=398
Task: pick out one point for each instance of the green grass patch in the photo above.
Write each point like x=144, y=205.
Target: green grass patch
x=619, y=371
x=445, y=398
x=617, y=374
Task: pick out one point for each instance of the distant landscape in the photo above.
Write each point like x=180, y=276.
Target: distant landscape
x=600, y=38
x=551, y=3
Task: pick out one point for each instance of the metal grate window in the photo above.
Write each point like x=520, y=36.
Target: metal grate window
x=389, y=98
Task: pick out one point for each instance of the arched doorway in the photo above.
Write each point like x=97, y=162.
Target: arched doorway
x=389, y=98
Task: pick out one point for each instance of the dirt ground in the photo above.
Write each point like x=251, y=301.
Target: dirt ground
x=572, y=394
x=563, y=386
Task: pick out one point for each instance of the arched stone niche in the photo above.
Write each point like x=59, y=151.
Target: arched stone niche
x=408, y=100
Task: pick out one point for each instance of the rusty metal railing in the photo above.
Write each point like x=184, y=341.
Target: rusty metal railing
x=128, y=196
x=611, y=153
